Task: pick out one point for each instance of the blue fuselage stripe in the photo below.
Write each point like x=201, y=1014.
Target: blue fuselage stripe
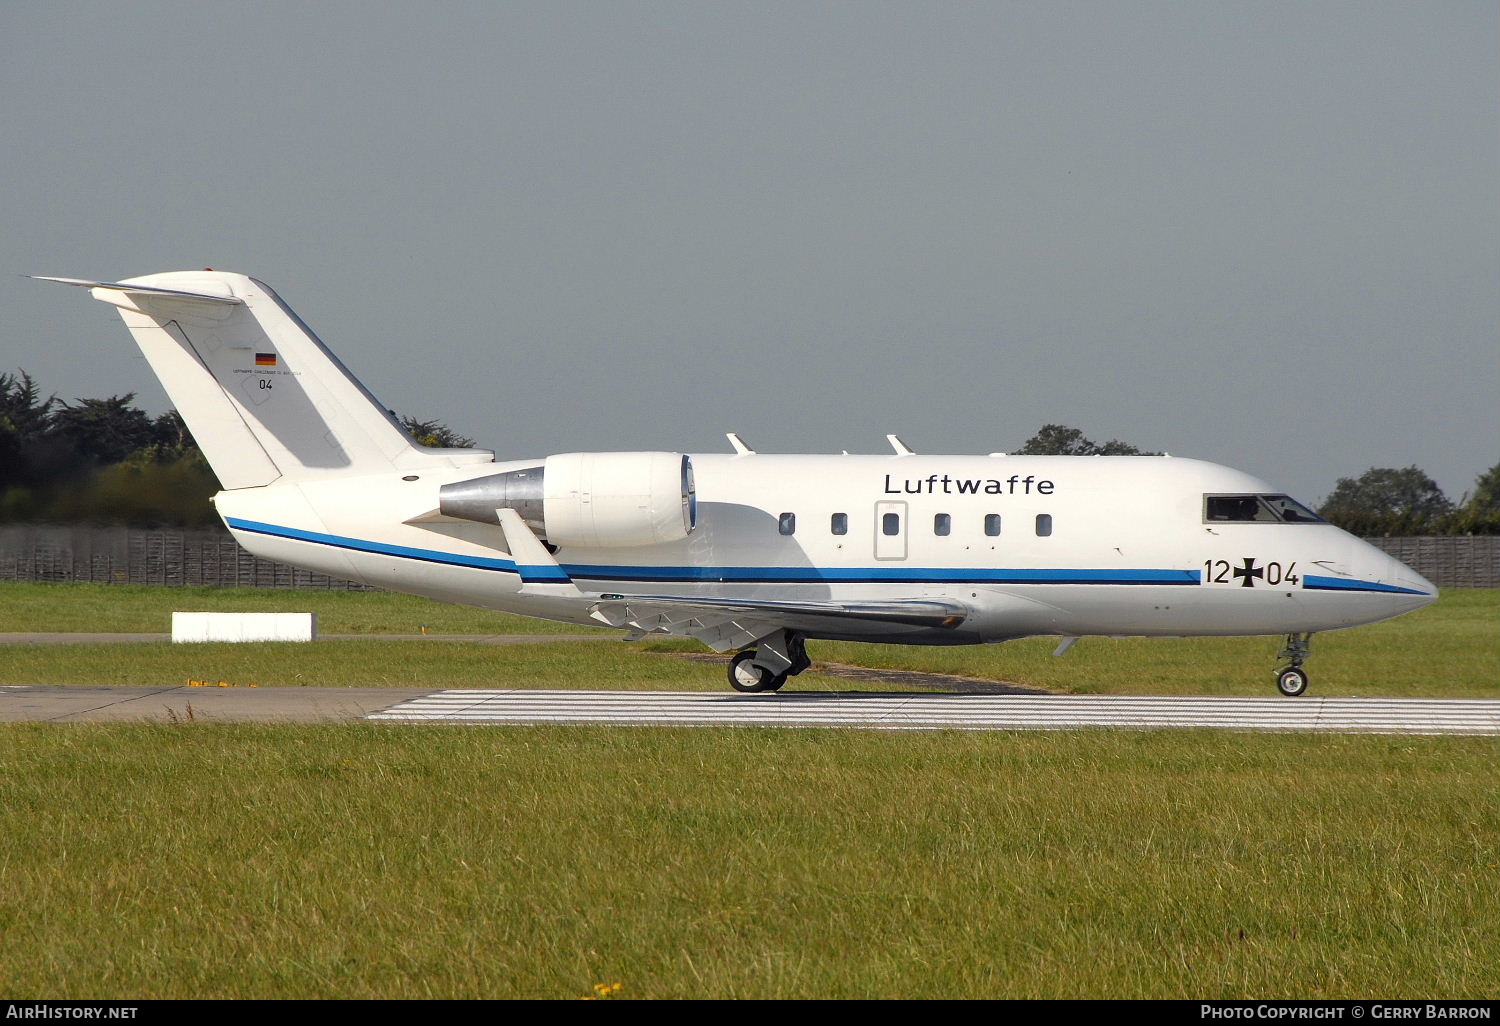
x=879, y=575
x=379, y=548
x=1312, y=583
x=781, y=574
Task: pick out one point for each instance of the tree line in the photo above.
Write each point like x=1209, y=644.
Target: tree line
x=106, y=461
x=97, y=461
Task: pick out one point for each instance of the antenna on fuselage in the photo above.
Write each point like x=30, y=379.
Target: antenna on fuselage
x=902, y=449
x=740, y=448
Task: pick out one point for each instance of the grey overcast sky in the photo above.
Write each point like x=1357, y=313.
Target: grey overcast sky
x=1263, y=234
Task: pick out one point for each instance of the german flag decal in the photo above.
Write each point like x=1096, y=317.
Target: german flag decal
x=265, y=359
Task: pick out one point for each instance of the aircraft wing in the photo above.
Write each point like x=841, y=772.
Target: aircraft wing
x=725, y=623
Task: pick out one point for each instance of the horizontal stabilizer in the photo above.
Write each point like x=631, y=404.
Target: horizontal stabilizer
x=144, y=290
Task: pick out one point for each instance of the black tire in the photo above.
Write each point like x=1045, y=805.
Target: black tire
x=1291, y=681
x=746, y=677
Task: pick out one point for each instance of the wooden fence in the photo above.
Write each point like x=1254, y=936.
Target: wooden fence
x=1464, y=561
x=119, y=555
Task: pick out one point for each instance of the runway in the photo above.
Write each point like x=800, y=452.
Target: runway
x=952, y=712
x=139, y=638
x=869, y=710
x=960, y=704
x=86, y=703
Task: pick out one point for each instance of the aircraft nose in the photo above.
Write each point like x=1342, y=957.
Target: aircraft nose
x=1408, y=579
x=1408, y=588
x=1385, y=586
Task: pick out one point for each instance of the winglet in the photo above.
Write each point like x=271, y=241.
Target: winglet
x=142, y=290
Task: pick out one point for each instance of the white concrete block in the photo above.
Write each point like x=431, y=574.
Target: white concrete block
x=244, y=626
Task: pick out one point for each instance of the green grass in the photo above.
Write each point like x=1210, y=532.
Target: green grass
x=603, y=665
x=396, y=861
x=133, y=608
x=366, y=860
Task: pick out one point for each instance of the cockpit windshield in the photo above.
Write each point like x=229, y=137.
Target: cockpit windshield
x=1256, y=509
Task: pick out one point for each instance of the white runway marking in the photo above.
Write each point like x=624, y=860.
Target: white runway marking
x=953, y=712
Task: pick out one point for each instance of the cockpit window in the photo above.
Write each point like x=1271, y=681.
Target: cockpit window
x=1290, y=510
x=1256, y=509
x=1235, y=509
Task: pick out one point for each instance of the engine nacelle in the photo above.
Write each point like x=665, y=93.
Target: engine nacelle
x=591, y=499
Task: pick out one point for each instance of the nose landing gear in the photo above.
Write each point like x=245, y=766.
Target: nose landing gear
x=1291, y=680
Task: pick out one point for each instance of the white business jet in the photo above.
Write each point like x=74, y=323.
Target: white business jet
x=747, y=552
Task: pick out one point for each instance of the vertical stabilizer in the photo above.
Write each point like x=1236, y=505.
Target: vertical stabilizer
x=263, y=397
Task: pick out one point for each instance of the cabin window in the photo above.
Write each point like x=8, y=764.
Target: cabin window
x=942, y=525
x=839, y=524
x=1256, y=509
x=1044, y=525
x=992, y=525
x=890, y=524
x=787, y=523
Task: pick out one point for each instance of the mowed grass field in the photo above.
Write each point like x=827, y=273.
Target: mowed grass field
x=372, y=860
x=395, y=861
x=132, y=608
x=1450, y=649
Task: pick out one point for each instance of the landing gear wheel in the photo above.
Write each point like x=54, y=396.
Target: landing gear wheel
x=1291, y=681
x=745, y=676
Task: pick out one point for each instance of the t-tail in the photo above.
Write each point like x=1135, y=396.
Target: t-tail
x=265, y=399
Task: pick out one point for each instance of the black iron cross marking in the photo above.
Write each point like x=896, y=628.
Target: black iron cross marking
x=1248, y=573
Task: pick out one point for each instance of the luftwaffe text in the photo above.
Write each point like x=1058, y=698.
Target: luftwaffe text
x=946, y=484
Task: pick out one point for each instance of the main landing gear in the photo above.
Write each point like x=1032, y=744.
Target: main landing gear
x=767, y=666
x=1291, y=680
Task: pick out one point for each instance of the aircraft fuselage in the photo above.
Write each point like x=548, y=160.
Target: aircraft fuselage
x=1033, y=545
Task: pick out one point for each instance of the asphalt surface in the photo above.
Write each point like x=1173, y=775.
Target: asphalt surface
x=82, y=703
x=86, y=638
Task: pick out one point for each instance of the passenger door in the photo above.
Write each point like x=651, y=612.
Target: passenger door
x=890, y=530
